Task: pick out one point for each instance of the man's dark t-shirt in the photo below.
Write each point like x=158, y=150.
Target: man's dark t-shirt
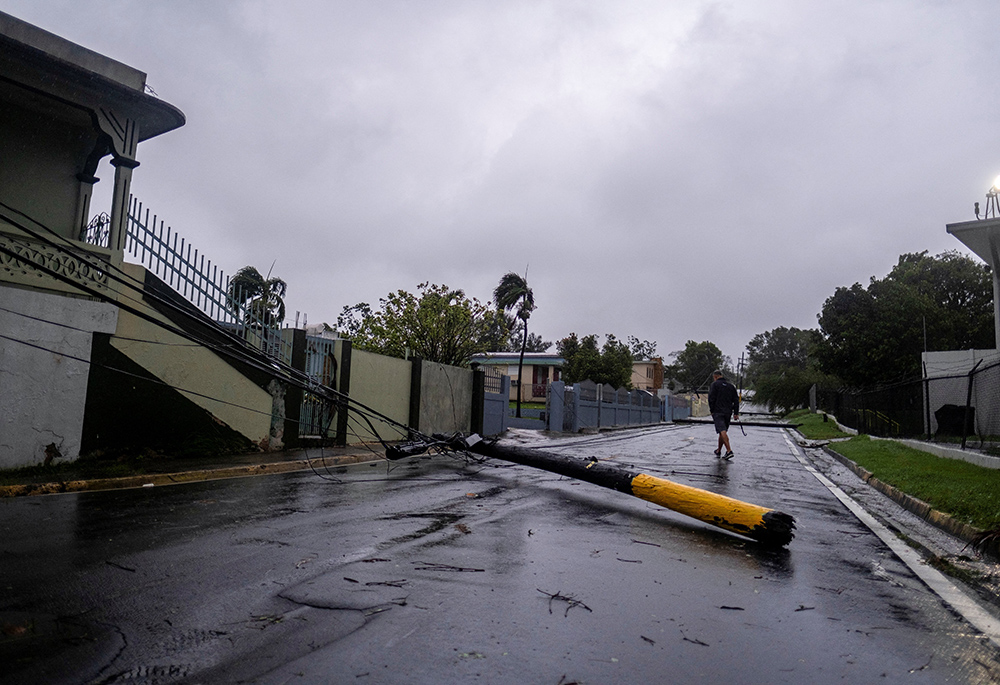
x=723, y=398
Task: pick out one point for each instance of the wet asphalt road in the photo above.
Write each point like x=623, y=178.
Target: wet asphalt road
x=440, y=571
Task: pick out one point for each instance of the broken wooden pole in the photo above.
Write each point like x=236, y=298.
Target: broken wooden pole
x=767, y=526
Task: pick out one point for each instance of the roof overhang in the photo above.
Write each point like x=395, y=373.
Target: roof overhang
x=58, y=78
x=982, y=237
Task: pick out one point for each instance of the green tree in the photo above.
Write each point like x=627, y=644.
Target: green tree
x=534, y=343
x=875, y=335
x=499, y=333
x=642, y=350
x=781, y=348
x=781, y=367
x=513, y=293
x=609, y=365
x=438, y=324
x=260, y=299
x=693, y=366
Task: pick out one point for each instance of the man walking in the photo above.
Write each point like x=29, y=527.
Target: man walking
x=723, y=402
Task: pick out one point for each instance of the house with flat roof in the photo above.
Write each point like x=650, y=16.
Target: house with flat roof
x=540, y=369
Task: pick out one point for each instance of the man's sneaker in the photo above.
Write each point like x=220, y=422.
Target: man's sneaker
x=718, y=452
x=729, y=455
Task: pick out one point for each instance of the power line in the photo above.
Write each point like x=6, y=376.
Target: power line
x=240, y=352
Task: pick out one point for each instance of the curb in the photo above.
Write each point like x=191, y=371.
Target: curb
x=160, y=479
x=938, y=519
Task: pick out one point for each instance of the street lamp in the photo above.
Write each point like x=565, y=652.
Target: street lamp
x=992, y=201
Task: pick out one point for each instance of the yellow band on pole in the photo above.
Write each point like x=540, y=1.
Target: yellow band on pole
x=719, y=510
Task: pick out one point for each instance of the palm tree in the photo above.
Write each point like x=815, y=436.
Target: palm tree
x=514, y=294
x=261, y=298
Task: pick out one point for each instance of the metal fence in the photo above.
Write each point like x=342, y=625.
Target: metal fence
x=959, y=407
x=174, y=260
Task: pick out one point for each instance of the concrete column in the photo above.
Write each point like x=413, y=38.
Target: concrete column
x=345, y=390
x=294, y=394
x=416, y=378
x=478, y=399
x=557, y=405
x=121, y=134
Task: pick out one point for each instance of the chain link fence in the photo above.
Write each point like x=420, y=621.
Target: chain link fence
x=956, y=408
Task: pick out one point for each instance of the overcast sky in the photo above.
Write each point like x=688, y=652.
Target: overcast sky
x=672, y=170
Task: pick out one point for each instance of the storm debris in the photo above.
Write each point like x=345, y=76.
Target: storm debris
x=630, y=561
x=732, y=608
x=650, y=641
x=124, y=568
x=389, y=583
x=695, y=642
x=803, y=607
x=432, y=566
x=569, y=599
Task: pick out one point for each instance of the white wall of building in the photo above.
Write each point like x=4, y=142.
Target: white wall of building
x=43, y=383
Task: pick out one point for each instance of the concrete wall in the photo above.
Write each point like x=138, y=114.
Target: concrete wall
x=382, y=383
x=197, y=372
x=43, y=389
x=445, y=399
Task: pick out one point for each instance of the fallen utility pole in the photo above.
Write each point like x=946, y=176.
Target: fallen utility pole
x=767, y=526
x=759, y=424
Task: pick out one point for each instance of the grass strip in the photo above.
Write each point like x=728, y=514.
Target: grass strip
x=816, y=426
x=968, y=492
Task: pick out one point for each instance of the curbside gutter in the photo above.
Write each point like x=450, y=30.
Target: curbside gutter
x=193, y=476
x=938, y=519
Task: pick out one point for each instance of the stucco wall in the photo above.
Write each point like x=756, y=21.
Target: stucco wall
x=197, y=372
x=43, y=389
x=445, y=399
x=382, y=383
x=40, y=163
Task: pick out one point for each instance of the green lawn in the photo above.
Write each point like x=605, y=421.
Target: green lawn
x=968, y=492
x=814, y=427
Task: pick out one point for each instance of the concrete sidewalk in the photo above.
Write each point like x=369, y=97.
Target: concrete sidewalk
x=187, y=470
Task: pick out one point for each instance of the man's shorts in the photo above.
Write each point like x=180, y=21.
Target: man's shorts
x=721, y=422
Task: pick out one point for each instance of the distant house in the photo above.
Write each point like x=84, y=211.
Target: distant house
x=540, y=369
x=648, y=375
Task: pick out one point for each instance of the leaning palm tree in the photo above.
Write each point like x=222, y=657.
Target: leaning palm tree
x=514, y=294
x=261, y=299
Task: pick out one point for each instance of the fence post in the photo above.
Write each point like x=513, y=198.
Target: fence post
x=968, y=404
x=416, y=376
x=294, y=394
x=556, y=406
x=927, y=403
x=345, y=391
x=478, y=399
x=505, y=393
